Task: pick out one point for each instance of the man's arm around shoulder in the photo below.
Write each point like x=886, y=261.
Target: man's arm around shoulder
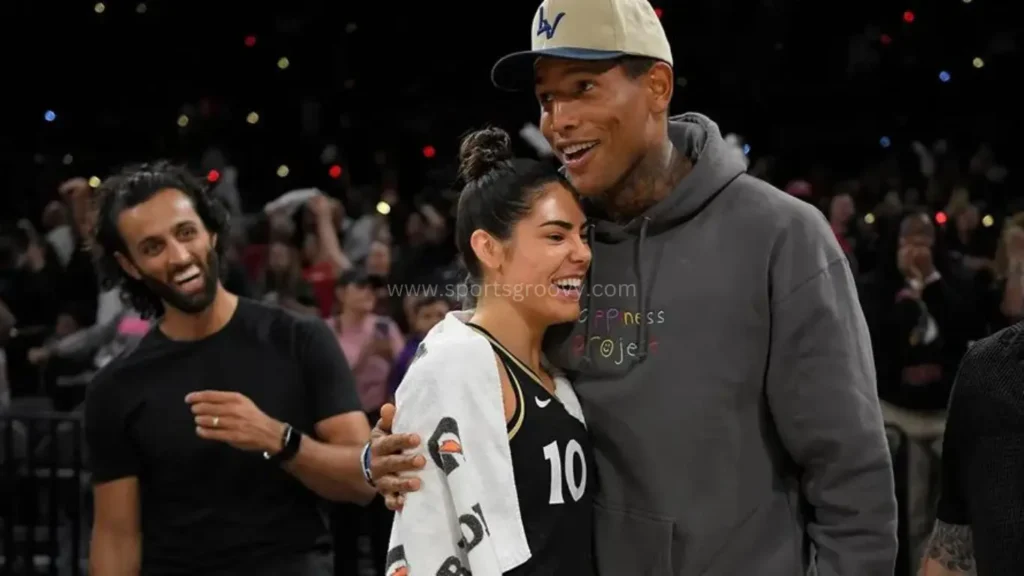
x=116, y=547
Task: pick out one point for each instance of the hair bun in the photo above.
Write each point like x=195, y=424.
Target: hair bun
x=482, y=151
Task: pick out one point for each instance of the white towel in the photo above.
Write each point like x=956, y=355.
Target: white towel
x=465, y=516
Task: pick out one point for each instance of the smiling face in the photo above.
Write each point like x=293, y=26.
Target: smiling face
x=542, y=265
x=599, y=118
x=170, y=251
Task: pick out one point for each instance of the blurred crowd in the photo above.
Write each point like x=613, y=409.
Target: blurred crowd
x=936, y=238
x=304, y=251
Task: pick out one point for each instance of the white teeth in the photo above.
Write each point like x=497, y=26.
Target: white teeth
x=187, y=275
x=569, y=283
x=574, y=148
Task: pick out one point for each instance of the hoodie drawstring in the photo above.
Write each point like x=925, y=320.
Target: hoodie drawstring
x=586, y=298
x=641, y=297
x=641, y=294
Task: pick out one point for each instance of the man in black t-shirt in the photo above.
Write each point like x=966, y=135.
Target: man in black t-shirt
x=213, y=443
x=979, y=527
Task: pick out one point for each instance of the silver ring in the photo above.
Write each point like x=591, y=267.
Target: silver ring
x=216, y=420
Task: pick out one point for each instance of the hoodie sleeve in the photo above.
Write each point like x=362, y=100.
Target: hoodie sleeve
x=822, y=394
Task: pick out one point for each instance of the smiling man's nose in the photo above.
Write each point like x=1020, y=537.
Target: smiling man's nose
x=563, y=117
x=179, y=253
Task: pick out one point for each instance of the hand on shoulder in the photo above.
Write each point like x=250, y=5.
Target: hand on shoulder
x=388, y=460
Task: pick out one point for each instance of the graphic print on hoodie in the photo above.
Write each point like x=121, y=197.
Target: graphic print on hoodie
x=720, y=356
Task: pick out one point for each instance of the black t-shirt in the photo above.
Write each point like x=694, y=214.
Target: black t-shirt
x=983, y=452
x=209, y=508
x=553, y=463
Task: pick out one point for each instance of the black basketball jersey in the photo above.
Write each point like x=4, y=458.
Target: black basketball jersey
x=554, y=469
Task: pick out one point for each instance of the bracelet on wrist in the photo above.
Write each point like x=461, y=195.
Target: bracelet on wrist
x=365, y=462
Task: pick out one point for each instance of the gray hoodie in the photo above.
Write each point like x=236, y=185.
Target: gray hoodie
x=726, y=375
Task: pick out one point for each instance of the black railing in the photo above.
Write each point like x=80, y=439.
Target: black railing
x=44, y=493
x=43, y=485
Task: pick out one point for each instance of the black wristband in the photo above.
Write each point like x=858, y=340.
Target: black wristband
x=365, y=461
x=290, y=441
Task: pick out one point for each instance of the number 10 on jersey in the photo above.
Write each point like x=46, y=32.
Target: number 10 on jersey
x=574, y=470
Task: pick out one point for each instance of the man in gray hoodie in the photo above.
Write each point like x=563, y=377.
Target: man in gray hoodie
x=721, y=356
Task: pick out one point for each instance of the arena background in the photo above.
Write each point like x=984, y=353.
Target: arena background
x=811, y=83
x=367, y=100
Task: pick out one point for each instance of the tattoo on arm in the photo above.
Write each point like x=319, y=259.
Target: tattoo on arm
x=952, y=546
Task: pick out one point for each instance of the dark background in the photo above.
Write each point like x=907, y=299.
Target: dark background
x=816, y=84
x=828, y=95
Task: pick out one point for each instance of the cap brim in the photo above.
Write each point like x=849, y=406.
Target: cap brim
x=515, y=71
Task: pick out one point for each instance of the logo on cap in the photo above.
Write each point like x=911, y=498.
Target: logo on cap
x=548, y=28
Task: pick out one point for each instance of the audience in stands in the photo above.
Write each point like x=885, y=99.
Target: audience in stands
x=939, y=254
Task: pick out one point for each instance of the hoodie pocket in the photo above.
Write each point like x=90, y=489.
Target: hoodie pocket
x=632, y=543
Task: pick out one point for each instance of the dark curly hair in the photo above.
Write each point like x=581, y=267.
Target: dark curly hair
x=131, y=187
x=499, y=189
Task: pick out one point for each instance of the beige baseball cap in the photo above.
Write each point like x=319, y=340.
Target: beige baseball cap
x=585, y=30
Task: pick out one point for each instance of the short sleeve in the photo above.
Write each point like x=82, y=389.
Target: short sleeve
x=111, y=454
x=326, y=373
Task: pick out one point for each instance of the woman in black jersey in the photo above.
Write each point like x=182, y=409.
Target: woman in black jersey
x=521, y=233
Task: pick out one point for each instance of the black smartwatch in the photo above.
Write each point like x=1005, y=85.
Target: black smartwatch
x=290, y=441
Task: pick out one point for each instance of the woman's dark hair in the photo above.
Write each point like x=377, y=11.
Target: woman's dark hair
x=355, y=276
x=131, y=187
x=499, y=190
x=429, y=301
